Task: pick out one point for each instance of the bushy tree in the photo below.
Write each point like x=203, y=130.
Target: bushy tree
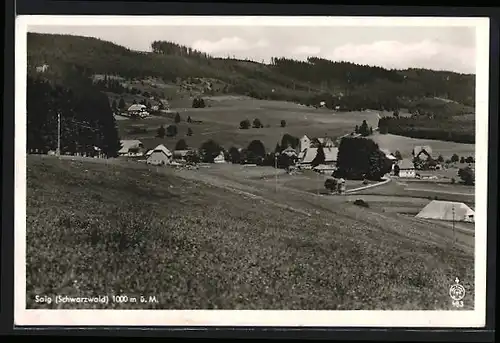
x=454, y=158
x=283, y=123
x=210, y=150
x=245, y=124
x=177, y=118
x=160, y=132
x=440, y=158
x=363, y=129
x=361, y=158
x=171, y=131
x=397, y=154
x=469, y=159
x=462, y=159
x=256, y=147
x=257, y=123
x=121, y=104
x=467, y=175
x=181, y=145
x=289, y=140
x=189, y=131
x=331, y=185
x=234, y=155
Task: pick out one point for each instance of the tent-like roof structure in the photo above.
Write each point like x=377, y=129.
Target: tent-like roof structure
x=447, y=210
x=310, y=153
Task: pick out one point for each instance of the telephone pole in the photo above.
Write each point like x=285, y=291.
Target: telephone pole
x=59, y=134
x=453, y=224
x=276, y=173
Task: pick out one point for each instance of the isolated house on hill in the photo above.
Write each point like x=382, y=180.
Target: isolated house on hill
x=131, y=147
x=422, y=152
x=138, y=110
x=447, y=210
x=160, y=156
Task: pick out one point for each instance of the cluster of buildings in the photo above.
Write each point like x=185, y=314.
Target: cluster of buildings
x=160, y=155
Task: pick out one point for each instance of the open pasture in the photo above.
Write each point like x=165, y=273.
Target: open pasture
x=221, y=121
x=405, y=146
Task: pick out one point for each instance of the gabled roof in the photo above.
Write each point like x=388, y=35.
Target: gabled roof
x=181, y=153
x=419, y=148
x=128, y=144
x=406, y=164
x=310, y=153
x=162, y=148
x=447, y=210
x=137, y=107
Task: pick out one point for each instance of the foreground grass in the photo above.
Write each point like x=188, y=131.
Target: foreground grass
x=96, y=229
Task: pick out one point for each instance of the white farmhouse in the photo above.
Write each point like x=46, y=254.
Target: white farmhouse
x=160, y=156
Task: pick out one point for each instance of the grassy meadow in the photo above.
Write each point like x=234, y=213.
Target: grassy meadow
x=124, y=229
x=221, y=122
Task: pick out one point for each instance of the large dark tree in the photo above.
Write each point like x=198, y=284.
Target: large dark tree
x=360, y=158
x=289, y=140
x=210, y=150
x=87, y=121
x=181, y=145
x=257, y=148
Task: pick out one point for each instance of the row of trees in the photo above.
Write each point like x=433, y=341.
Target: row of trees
x=86, y=119
x=364, y=130
x=256, y=124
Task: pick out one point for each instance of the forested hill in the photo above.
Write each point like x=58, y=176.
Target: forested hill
x=343, y=84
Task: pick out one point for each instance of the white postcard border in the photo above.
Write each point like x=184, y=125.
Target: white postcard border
x=474, y=318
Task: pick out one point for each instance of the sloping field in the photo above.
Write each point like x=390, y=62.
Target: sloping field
x=405, y=146
x=104, y=228
x=221, y=122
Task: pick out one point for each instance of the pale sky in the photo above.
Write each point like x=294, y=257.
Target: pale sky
x=439, y=48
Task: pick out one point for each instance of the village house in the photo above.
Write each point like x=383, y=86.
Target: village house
x=42, y=69
x=389, y=155
x=220, y=158
x=406, y=169
x=160, y=156
x=422, y=152
x=307, y=156
x=138, y=110
x=131, y=147
x=304, y=143
x=290, y=152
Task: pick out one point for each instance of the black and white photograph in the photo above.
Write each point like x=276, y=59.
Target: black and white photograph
x=312, y=171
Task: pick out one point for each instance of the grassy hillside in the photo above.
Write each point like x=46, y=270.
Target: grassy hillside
x=96, y=228
x=337, y=83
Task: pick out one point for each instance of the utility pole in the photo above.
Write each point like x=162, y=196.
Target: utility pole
x=59, y=134
x=453, y=224
x=276, y=173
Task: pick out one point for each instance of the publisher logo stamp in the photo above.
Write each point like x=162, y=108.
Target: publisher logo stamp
x=457, y=294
